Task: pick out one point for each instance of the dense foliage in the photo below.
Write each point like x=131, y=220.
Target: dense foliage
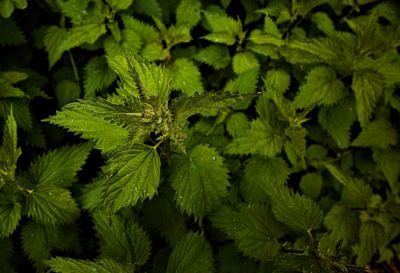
x=199, y=136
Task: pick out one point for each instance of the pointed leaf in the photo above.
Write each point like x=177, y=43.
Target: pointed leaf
x=379, y=133
x=186, y=77
x=244, y=61
x=10, y=214
x=69, y=265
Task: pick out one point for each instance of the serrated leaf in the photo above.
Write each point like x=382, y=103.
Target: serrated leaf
x=200, y=180
x=321, y=88
x=221, y=37
x=146, y=32
x=337, y=121
x=59, y=167
x=34, y=242
x=121, y=241
x=186, y=77
x=192, y=254
x=220, y=22
x=134, y=175
x=216, y=56
x=154, y=52
x=49, y=204
x=343, y=226
x=122, y=67
x=261, y=139
x=97, y=76
x=20, y=110
x=388, y=162
x=277, y=81
x=10, y=214
x=245, y=83
x=10, y=33
x=259, y=174
x=297, y=212
x=271, y=28
x=324, y=23
x=148, y=7
x=379, y=133
x=311, y=185
x=237, y=124
x=188, y=13
x=253, y=228
x=244, y=61
x=367, y=87
x=106, y=135
x=372, y=236
x=119, y=4
x=69, y=265
x=58, y=40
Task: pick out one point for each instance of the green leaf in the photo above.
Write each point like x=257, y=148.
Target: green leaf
x=10, y=33
x=297, y=212
x=69, y=265
x=372, y=236
x=253, y=228
x=245, y=83
x=77, y=119
x=388, y=162
x=122, y=67
x=271, y=28
x=146, y=32
x=192, y=254
x=58, y=40
x=367, y=87
x=337, y=121
x=259, y=174
x=343, y=225
x=188, y=13
x=237, y=124
x=121, y=241
x=134, y=175
x=49, y=204
x=10, y=214
x=379, y=133
x=67, y=91
x=186, y=77
x=311, y=185
x=119, y=4
x=6, y=8
x=97, y=76
x=221, y=37
x=219, y=22
x=324, y=23
x=321, y=88
x=59, y=167
x=20, y=110
x=261, y=139
x=148, y=7
x=244, y=61
x=216, y=56
x=200, y=180
x=34, y=242
x=277, y=81
x=9, y=151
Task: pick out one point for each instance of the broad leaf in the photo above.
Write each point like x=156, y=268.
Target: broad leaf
x=69, y=265
x=186, y=77
x=244, y=61
x=97, y=76
x=216, y=56
x=188, y=13
x=379, y=133
x=372, y=236
x=10, y=214
x=200, y=180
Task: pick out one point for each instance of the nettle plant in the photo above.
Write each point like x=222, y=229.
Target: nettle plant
x=259, y=136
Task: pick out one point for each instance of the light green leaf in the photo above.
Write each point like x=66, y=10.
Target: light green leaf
x=119, y=4
x=244, y=61
x=297, y=212
x=237, y=124
x=259, y=174
x=146, y=32
x=277, y=81
x=10, y=214
x=321, y=88
x=69, y=265
x=324, y=23
x=59, y=167
x=77, y=119
x=261, y=139
x=121, y=241
x=337, y=121
x=97, y=76
x=188, y=13
x=271, y=28
x=186, y=77
x=221, y=37
x=367, y=87
x=49, y=204
x=154, y=52
x=192, y=254
x=148, y=7
x=221, y=23
x=216, y=56
x=245, y=83
x=253, y=228
x=343, y=226
x=134, y=175
x=200, y=180
x=379, y=133
x=372, y=236
x=58, y=40
x=122, y=67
